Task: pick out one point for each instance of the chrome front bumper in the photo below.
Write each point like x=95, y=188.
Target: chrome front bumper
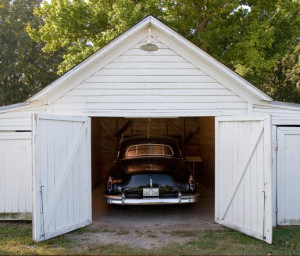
x=121, y=200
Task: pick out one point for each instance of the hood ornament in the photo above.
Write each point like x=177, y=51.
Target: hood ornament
x=151, y=185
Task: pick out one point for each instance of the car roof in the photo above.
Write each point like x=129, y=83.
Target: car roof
x=149, y=139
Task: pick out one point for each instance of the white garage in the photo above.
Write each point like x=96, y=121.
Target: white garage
x=46, y=143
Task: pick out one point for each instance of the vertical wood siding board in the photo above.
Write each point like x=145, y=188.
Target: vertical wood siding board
x=82, y=179
x=67, y=166
x=252, y=148
x=72, y=179
x=291, y=149
x=253, y=192
x=227, y=158
x=298, y=177
x=88, y=187
x=8, y=186
x=247, y=198
x=280, y=175
x=5, y=179
x=260, y=188
x=224, y=165
x=298, y=174
x=62, y=204
x=287, y=174
x=35, y=201
x=77, y=189
x=21, y=173
x=217, y=168
x=27, y=167
x=267, y=186
x=286, y=184
x=69, y=212
x=234, y=172
x=2, y=173
x=242, y=194
x=52, y=134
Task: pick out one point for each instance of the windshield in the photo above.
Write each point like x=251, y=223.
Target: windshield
x=148, y=150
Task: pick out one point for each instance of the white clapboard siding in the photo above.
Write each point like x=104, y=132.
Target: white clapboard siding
x=148, y=92
x=149, y=99
x=150, y=106
x=150, y=58
x=20, y=119
x=15, y=172
x=141, y=82
x=150, y=86
x=243, y=175
x=150, y=72
x=288, y=176
x=281, y=115
x=150, y=79
x=167, y=106
x=160, y=52
x=150, y=113
x=150, y=65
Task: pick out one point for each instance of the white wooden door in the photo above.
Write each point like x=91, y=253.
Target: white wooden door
x=61, y=176
x=243, y=175
x=288, y=176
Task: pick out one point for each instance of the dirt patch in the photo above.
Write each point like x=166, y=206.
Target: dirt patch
x=147, y=227
x=139, y=237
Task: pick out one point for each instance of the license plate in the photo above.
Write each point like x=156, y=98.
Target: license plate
x=150, y=191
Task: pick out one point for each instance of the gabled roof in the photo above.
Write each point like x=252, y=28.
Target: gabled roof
x=74, y=73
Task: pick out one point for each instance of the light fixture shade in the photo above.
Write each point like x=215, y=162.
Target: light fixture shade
x=149, y=47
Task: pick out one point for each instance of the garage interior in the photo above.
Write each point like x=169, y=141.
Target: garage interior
x=198, y=140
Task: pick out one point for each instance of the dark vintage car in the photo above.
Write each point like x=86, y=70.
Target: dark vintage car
x=150, y=170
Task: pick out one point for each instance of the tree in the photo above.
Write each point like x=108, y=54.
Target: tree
x=284, y=83
x=24, y=67
x=249, y=36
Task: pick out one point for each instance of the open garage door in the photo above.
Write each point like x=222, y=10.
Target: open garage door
x=61, y=176
x=243, y=175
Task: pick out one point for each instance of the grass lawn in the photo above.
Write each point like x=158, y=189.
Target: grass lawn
x=15, y=238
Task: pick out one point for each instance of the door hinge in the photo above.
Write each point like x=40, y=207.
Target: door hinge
x=276, y=210
x=276, y=146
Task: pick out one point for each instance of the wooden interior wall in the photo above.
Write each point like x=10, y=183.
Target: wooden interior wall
x=104, y=142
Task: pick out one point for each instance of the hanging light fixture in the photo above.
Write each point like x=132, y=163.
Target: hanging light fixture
x=149, y=47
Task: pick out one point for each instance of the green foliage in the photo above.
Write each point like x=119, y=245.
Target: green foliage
x=249, y=36
x=24, y=67
x=284, y=82
x=82, y=27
